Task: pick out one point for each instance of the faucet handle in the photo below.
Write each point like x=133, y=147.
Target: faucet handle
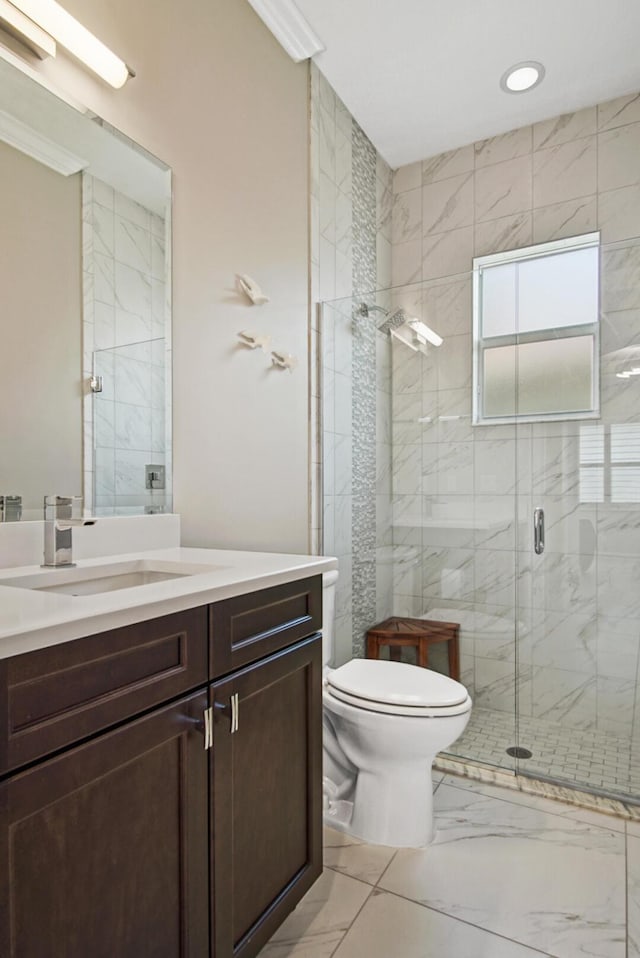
x=61, y=500
x=63, y=507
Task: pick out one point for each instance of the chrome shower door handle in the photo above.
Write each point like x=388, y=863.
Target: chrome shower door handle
x=538, y=531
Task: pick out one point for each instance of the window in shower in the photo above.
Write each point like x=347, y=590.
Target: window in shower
x=536, y=332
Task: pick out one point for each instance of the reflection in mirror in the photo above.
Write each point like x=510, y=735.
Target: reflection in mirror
x=85, y=274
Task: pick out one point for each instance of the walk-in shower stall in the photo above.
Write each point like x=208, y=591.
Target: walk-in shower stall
x=493, y=479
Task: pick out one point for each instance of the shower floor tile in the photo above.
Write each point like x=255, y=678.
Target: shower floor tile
x=592, y=760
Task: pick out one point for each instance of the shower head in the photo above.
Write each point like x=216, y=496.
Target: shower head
x=399, y=317
x=394, y=321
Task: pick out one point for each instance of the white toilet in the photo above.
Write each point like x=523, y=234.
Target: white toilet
x=384, y=722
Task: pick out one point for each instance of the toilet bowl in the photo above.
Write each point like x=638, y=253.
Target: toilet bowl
x=383, y=724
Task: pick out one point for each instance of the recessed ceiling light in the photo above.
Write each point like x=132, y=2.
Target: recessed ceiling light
x=522, y=76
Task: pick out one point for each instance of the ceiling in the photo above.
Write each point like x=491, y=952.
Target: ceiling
x=422, y=76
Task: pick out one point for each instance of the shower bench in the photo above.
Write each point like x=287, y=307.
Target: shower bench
x=399, y=631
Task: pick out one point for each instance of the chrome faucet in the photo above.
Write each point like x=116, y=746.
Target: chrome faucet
x=59, y=521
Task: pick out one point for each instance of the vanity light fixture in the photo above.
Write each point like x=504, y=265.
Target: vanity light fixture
x=522, y=77
x=76, y=39
x=26, y=31
x=289, y=28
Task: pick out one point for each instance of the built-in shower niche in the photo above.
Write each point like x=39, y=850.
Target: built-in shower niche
x=131, y=441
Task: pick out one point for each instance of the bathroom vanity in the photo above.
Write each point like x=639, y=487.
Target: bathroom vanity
x=160, y=779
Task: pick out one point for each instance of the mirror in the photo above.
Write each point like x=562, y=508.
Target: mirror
x=85, y=359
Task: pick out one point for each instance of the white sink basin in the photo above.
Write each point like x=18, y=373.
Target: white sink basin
x=110, y=577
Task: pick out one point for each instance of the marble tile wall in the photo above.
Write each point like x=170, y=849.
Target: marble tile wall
x=463, y=496
x=350, y=219
x=126, y=295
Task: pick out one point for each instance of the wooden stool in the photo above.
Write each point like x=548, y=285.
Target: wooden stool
x=419, y=633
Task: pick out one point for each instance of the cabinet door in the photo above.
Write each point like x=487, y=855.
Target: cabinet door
x=267, y=796
x=103, y=849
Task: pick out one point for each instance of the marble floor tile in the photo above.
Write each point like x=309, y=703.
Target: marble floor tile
x=350, y=856
x=392, y=927
x=554, y=884
x=321, y=919
x=633, y=896
x=550, y=806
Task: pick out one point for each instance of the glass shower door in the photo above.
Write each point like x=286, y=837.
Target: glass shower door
x=579, y=562
x=467, y=504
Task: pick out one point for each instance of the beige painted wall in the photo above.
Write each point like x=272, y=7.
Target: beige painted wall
x=218, y=99
x=40, y=365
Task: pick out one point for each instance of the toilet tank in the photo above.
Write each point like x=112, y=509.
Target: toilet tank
x=329, y=580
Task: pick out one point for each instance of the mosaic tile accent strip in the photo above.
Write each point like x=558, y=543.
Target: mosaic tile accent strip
x=364, y=212
x=364, y=390
x=583, y=759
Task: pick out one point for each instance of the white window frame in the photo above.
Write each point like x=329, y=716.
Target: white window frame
x=480, y=343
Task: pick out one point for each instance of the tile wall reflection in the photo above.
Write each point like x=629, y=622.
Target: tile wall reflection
x=126, y=305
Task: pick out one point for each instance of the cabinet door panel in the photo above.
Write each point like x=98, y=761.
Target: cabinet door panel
x=103, y=849
x=54, y=697
x=249, y=627
x=267, y=796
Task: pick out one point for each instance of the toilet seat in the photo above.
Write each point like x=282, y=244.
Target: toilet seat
x=395, y=688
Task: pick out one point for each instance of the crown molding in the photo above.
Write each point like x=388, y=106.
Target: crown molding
x=289, y=28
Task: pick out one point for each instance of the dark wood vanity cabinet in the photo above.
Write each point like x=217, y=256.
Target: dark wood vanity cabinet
x=103, y=848
x=266, y=796
x=121, y=834
x=266, y=773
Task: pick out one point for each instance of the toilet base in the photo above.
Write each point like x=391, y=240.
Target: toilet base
x=394, y=810
x=385, y=811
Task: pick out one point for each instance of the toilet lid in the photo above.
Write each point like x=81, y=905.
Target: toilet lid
x=396, y=684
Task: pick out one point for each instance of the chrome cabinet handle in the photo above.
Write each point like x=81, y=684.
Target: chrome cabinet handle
x=208, y=729
x=235, y=712
x=538, y=531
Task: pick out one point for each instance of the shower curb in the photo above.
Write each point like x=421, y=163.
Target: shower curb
x=537, y=786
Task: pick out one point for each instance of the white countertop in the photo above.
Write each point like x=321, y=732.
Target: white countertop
x=35, y=620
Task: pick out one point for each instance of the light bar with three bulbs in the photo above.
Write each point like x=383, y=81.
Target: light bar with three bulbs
x=60, y=27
